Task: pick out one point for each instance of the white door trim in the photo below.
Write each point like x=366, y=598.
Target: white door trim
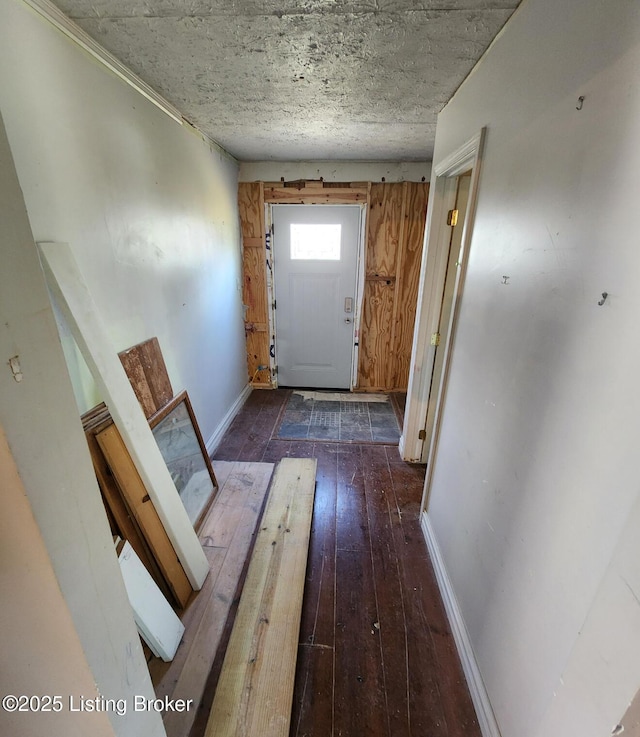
x=432, y=280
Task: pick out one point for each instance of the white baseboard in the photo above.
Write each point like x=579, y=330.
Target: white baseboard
x=479, y=696
x=215, y=439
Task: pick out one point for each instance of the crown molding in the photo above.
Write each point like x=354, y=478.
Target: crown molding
x=57, y=18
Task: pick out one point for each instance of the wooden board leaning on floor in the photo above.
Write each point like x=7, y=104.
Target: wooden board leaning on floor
x=121, y=520
x=255, y=689
x=227, y=537
x=147, y=374
x=141, y=506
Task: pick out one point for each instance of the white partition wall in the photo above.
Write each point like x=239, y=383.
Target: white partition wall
x=148, y=208
x=535, y=502
x=74, y=554
x=149, y=212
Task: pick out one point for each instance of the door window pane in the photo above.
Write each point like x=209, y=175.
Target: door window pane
x=315, y=242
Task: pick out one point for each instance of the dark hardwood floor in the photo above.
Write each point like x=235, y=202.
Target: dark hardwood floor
x=376, y=655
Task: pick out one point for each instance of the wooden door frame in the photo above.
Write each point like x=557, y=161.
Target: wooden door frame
x=414, y=445
x=360, y=274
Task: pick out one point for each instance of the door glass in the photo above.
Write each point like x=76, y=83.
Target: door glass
x=315, y=242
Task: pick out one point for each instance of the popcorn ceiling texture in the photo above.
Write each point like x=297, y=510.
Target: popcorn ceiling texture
x=310, y=79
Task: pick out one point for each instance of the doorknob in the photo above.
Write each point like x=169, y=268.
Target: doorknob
x=347, y=319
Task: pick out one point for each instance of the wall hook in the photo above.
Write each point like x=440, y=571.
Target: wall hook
x=604, y=298
x=505, y=279
x=580, y=102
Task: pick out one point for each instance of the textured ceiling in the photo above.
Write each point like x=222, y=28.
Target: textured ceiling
x=305, y=80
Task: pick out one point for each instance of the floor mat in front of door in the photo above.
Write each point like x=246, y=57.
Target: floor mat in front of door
x=337, y=416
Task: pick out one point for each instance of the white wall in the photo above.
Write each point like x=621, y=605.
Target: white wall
x=535, y=501
x=46, y=442
x=335, y=171
x=43, y=654
x=148, y=207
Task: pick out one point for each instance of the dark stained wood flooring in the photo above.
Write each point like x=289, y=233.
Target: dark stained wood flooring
x=376, y=655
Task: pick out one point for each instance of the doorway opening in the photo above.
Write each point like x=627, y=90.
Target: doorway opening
x=449, y=228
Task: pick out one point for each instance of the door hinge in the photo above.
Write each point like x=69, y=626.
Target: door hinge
x=435, y=339
x=422, y=435
x=274, y=370
x=452, y=218
x=273, y=305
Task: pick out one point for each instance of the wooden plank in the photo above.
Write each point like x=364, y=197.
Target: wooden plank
x=249, y=700
x=254, y=293
x=142, y=507
x=251, y=207
x=392, y=356
x=231, y=526
x=254, y=271
x=258, y=353
x=155, y=371
x=384, y=226
x=375, y=334
x=222, y=470
x=125, y=521
x=313, y=196
x=408, y=280
x=243, y=490
x=147, y=373
x=130, y=360
x=360, y=706
x=95, y=416
x=165, y=677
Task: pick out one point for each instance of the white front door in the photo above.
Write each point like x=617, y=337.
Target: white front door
x=315, y=262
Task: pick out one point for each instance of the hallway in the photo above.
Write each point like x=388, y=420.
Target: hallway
x=376, y=654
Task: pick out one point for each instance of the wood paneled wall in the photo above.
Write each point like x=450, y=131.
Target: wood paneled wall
x=396, y=215
x=254, y=271
x=395, y=234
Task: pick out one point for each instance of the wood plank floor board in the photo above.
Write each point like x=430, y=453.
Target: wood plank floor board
x=231, y=523
x=320, y=596
x=312, y=712
x=352, y=531
x=230, y=448
x=222, y=471
x=253, y=694
x=368, y=562
x=302, y=449
x=165, y=676
x=390, y=603
x=359, y=696
x=317, y=625
x=275, y=450
x=240, y=500
x=253, y=450
x=427, y=620
x=410, y=676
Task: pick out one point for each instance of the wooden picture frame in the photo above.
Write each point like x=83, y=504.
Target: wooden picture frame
x=176, y=431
